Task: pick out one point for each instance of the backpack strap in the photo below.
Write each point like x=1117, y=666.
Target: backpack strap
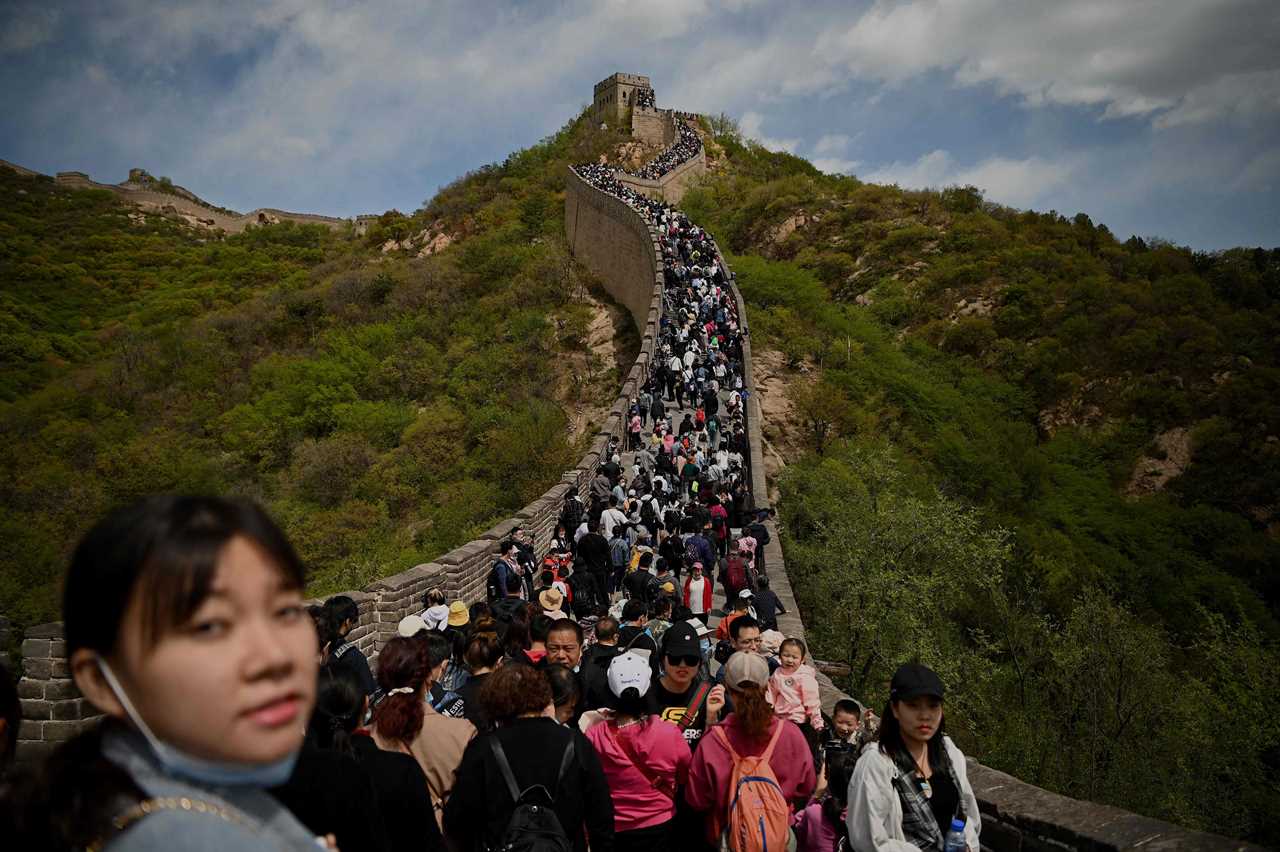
x=725, y=739
x=773, y=741
x=625, y=747
x=695, y=705
x=505, y=768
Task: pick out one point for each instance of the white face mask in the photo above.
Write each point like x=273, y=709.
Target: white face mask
x=214, y=773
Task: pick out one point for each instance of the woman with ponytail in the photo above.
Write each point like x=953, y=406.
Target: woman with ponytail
x=645, y=760
x=398, y=781
x=402, y=676
x=751, y=730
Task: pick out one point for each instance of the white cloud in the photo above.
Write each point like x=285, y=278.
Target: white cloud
x=832, y=143
x=1131, y=58
x=835, y=165
x=1018, y=183
x=752, y=126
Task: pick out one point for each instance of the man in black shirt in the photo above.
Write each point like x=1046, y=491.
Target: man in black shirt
x=594, y=552
x=678, y=694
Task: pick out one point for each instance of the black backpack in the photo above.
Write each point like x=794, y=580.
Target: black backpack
x=648, y=516
x=533, y=826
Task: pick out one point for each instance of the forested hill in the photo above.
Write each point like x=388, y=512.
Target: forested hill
x=1040, y=458
x=385, y=406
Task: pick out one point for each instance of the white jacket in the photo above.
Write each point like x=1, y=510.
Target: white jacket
x=874, y=816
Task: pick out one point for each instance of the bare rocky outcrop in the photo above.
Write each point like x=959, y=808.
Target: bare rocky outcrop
x=1166, y=459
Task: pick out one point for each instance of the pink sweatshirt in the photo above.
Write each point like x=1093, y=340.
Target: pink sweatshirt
x=662, y=748
x=712, y=768
x=795, y=695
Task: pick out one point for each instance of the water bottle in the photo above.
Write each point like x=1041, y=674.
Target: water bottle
x=955, y=837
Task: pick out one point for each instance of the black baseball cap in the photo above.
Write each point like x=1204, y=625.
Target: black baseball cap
x=913, y=680
x=681, y=640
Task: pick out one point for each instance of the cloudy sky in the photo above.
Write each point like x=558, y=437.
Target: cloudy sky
x=1156, y=117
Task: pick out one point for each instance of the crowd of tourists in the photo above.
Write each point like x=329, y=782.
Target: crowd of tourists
x=645, y=98
x=598, y=698
x=686, y=146
x=237, y=718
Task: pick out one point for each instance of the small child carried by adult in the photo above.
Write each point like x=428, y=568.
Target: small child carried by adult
x=793, y=691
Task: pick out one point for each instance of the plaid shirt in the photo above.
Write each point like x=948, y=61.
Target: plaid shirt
x=918, y=822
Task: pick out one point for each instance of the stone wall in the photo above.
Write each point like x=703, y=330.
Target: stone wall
x=653, y=126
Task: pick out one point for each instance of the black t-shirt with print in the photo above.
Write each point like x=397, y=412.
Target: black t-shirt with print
x=670, y=707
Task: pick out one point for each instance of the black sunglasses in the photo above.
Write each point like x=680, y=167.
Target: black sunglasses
x=684, y=661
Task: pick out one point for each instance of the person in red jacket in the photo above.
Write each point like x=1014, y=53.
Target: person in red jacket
x=698, y=591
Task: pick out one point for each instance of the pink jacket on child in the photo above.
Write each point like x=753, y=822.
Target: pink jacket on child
x=795, y=696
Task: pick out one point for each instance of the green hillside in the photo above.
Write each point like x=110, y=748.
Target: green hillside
x=978, y=396
x=385, y=408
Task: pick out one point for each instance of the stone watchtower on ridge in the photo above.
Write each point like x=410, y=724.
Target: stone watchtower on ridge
x=615, y=95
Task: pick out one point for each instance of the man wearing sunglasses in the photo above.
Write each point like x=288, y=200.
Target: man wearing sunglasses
x=679, y=695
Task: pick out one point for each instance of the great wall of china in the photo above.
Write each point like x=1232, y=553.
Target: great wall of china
x=153, y=196
x=618, y=245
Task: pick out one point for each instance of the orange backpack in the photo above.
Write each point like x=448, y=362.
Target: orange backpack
x=759, y=815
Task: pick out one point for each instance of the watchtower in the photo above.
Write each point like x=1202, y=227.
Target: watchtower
x=616, y=94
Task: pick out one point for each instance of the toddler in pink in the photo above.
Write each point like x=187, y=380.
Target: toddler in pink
x=793, y=688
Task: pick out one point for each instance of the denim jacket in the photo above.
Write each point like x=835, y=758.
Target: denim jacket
x=197, y=819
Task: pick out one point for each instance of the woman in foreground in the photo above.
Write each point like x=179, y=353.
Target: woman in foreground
x=185, y=626
x=909, y=787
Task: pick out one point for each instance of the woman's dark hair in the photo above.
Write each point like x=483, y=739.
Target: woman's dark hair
x=402, y=663
x=339, y=709
x=70, y=800
x=166, y=549
x=436, y=647
x=479, y=610
x=539, y=628
x=516, y=639
x=892, y=744
x=564, y=684
x=839, y=772
x=342, y=609
x=483, y=652
x=754, y=712
x=514, y=690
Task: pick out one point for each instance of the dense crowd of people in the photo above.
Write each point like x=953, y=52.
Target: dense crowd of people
x=596, y=699
x=686, y=146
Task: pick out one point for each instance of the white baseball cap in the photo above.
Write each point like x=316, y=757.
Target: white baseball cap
x=410, y=626
x=629, y=670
